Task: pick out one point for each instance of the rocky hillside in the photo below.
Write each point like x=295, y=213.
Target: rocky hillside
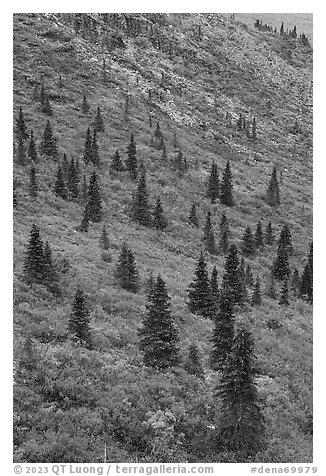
x=194, y=74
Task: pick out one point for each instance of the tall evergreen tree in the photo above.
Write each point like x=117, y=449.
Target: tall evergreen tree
x=281, y=267
x=248, y=243
x=33, y=188
x=60, y=188
x=94, y=199
x=306, y=284
x=213, y=184
x=159, y=220
x=224, y=234
x=232, y=281
x=79, y=320
x=131, y=162
x=193, y=363
x=72, y=182
x=256, y=296
x=249, y=277
x=259, y=237
x=215, y=293
x=21, y=129
x=192, y=219
x=65, y=166
x=34, y=258
x=273, y=190
x=21, y=152
x=159, y=337
x=88, y=147
x=126, y=270
x=84, y=189
x=226, y=195
x=31, y=151
x=284, y=297
x=51, y=279
x=140, y=207
x=104, y=239
x=241, y=427
x=46, y=107
x=285, y=239
x=199, y=295
x=85, y=106
x=223, y=332
x=98, y=121
x=209, y=238
x=95, y=158
x=117, y=163
x=269, y=234
x=48, y=144
x=84, y=226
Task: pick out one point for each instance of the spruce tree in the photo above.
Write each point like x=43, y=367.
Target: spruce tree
x=213, y=184
x=48, y=144
x=140, y=207
x=306, y=284
x=159, y=220
x=241, y=426
x=85, y=106
x=226, y=195
x=223, y=332
x=84, y=190
x=98, y=121
x=94, y=200
x=131, y=162
x=215, y=293
x=126, y=270
x=21, y=129
x=65, y=166
x=224, y=234
x=284, y=297
x=269, y=234
x=60, y=188
x=192, y=219
x=79, y=320
x=88, y=147
x=31, y=151
x=259, y=237
x=249, y=277
x=199, y=294
x=281, y=267
x=51, y=279
x=208, y=237
x=46, y=107
x=84, y=226
x=232, y=281
x=159, y=337
x=193, y=363
x=256, y=296
x=104, y=239
x=72, y=182
x=285, y=239
x=21, y=152
x=248, y=243
x=117, y=163
x=273, y=190
x=33, y=188
x=34, y=258
x=95, y=158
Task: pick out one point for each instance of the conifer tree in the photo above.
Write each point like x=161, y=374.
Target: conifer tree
x=159, y=337
x=48, y=144
x=269, y=234
x=164, y=152
x=208, y=237
x=224, y=234
x=79, y=320
x=249, y=277
x=254, y=130
x=311, y=258
x=282, y=29
x=94, y=200
x=226, y=195
x=248, y=243
x=193, y=363
x=85, y=106
x=271, y=290
x=60, y=188
x=285, y=239
x=51, y=279
x=104, y=239
x=117, y=163
x=159, y=220
x=192, y=219
x=84, y=226
x=88, y=147
x=126, y=270
x=21, y=152
x=33, y=188
x=273, y=190
x=241, y=427
x=65, y=166
x=259, y=237
x=232, y=281
x=46, y=107
x=72, y=182
x=284, y=297
x=131, y=162
x=256, y=296
x=213, y=184
x=150, y=284
x=215, y=293
x=95, y=158
x=306, y=284
x=84, y=190
x=281, y=267
x=31, y=151
x=199, y=295
x=21, y=129
x=98, y=121
x=34, y=258
x=223, y=332
x=140, y=207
